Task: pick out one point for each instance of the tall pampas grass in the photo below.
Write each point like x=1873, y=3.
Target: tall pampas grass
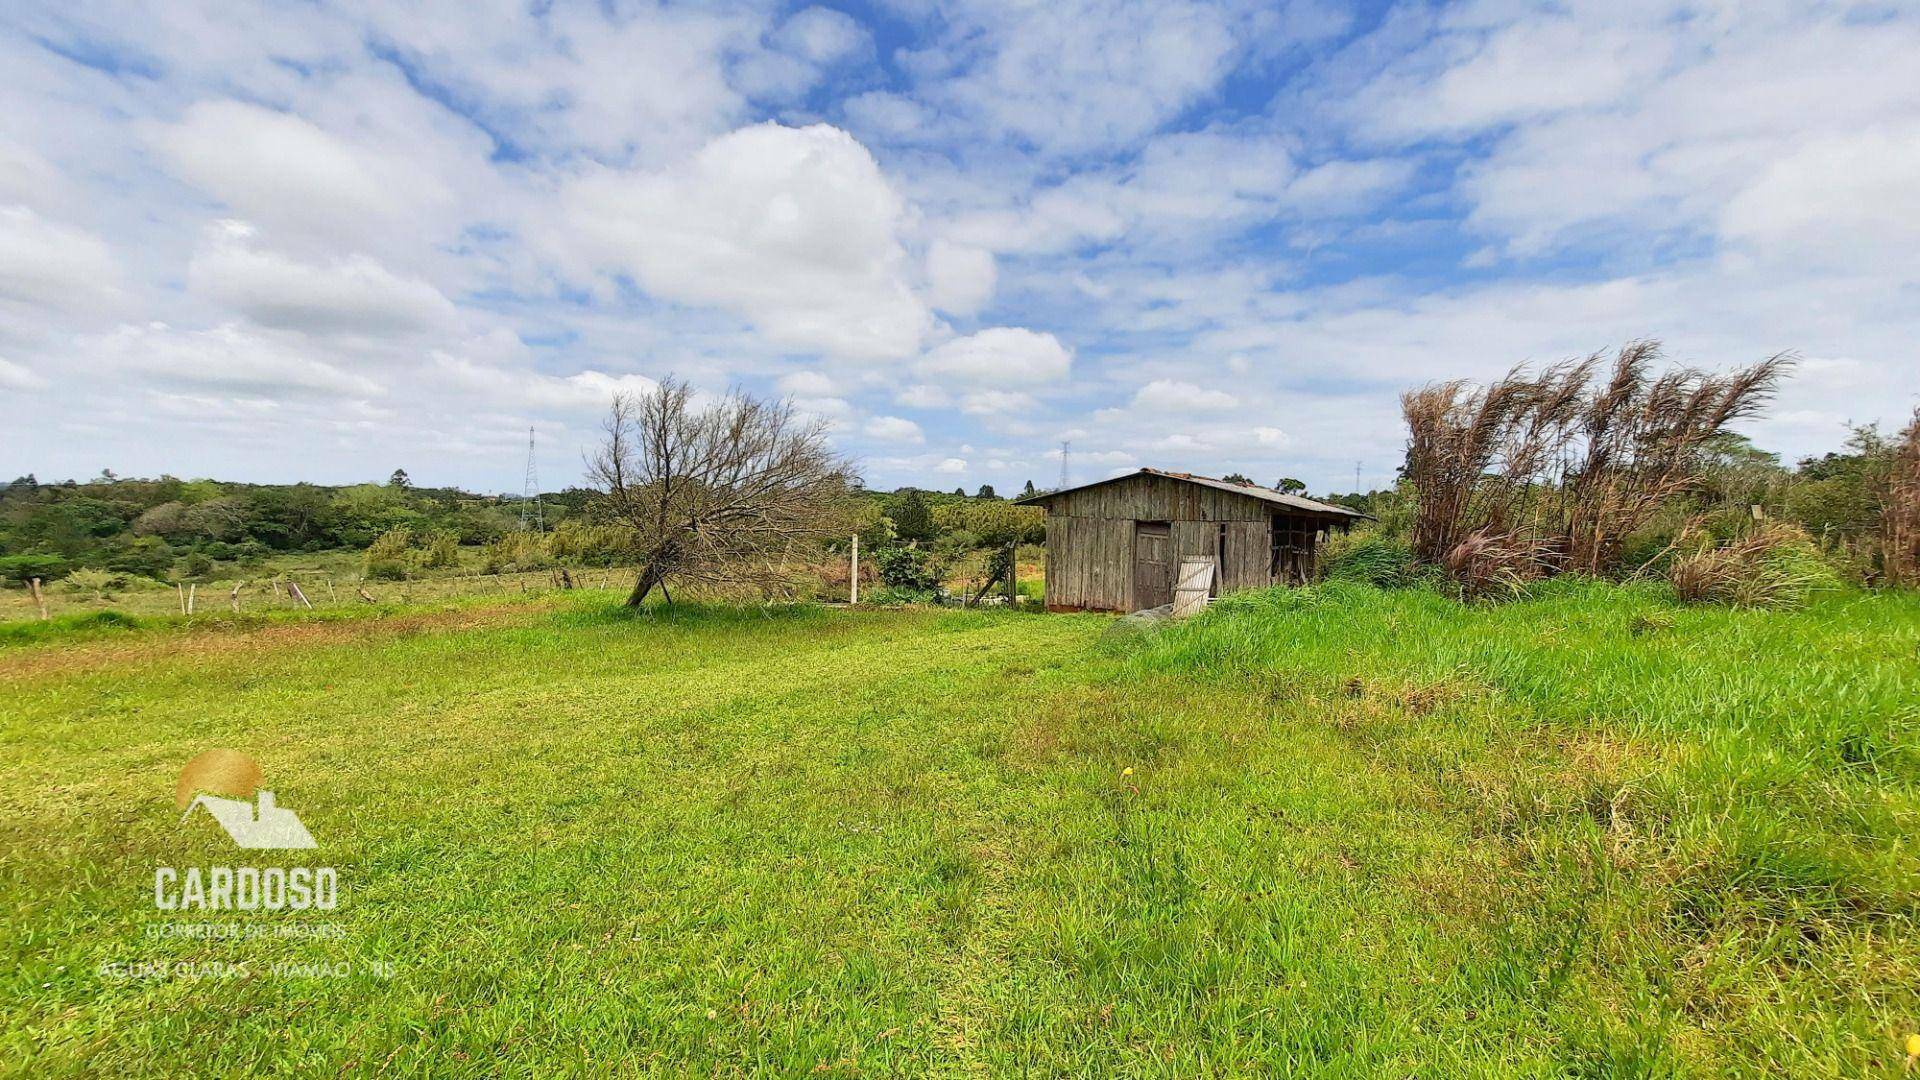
x=1900, y=510
x=1551, y=471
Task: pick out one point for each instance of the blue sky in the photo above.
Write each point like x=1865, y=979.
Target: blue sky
x=321, y=241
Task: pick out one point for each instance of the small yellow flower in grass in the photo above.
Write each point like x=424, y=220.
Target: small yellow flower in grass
x=1913, y=1046
x=1128, y=771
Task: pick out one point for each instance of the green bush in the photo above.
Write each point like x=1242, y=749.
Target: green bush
x=1727, y=523
x=577, y=542
x=442, y=551
x=197, y=566
x=908, y=569
x=148, y=557
x=908, y=513
x=990, y=523
x=98, y=582
x=390, y=556
x=956, y=544
x=386, y=570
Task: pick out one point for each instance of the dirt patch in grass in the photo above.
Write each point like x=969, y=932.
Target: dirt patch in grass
x=1036, y=740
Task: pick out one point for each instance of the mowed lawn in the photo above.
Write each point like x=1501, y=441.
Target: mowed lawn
x=1326, y=832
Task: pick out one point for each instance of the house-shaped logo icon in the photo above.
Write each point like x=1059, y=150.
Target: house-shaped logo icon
x=264, y=826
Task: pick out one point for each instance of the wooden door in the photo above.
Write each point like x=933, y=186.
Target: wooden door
x=1193, y=584
x=1152, y=564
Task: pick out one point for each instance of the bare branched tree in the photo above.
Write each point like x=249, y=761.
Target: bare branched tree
x=1555, y=470
x=727, y=492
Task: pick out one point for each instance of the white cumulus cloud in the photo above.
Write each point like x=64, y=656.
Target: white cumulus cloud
x=923, y=396
x=998, y=403
x=47, y=262
x=794, y=229
x=289, y=173
x=999, y=356
x=894, y=429
x=807, y=384
x=231, y=358
x=1172, y=395
x=960, y=279
x=352, y=294
x=17, y=377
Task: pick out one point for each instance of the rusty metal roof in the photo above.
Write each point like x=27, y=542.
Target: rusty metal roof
x=1253, y=491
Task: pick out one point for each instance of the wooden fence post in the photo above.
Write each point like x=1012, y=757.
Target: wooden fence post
x=39, y=598
x=191, y=589
x=181, y=591
x=233, y=598
x=293, y=590
x=854, y=579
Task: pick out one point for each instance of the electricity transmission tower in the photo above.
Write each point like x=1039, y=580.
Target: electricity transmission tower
x=1066, y=448
x=532, y=515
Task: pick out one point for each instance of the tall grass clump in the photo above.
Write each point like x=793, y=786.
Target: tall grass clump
x=1368, y=557
x=442, y=552
x=63, y=626
x=390, y=556
x=583, y=543
x=517, y=552
x=1775, y=566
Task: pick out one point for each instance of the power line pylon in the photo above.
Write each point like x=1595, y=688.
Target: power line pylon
x=532, y=514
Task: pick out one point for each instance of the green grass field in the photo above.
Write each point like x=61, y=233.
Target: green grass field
x=1329, y=832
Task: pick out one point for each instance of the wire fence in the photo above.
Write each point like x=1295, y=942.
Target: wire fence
x=292, y=589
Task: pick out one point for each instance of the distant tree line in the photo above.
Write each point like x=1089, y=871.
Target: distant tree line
x=168, y=527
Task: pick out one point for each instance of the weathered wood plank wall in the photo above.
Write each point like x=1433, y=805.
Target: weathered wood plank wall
x=1249, y=556
x=1089, y=563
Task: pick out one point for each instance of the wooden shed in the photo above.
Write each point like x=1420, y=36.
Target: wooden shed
x=1115, y=545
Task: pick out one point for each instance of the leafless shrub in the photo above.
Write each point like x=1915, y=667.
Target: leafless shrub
x=731, y=493
x=1563, y=465
x=1900, y=510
